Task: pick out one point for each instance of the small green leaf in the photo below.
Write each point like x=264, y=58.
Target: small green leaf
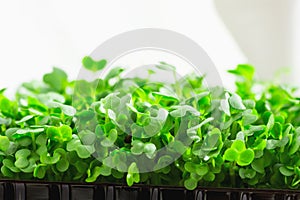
x=246, y=157
x=236, y=102
x=85, y=115
x=230, y=155
x=285, y=171
x=129, y=179
x=42, y=150
x=25, y=131
x=133, y=174
x=10, y=165
x=96, y=172
x=6, y=172
x=271, y=122
x=177, y=146
x=247, y=173
x=56, y=80
x=93, y=65
x=206, y=121
x=225, y=107
x=40, y=171
x=277, y=131
x=165, y=66
x=165, y=94
x=209, y=177
x=163, y=161
x=190, y=184
x=248, y=119
x=81, y=166
x=111, y=101
x=250, y=173
x=5, y=121
x=238, y=145
x=85, y=151
x=116, y=174
x=243, y=70
x=24, y=142
x=61, y=134
x=295, y=143
x=87, y=137
x=181, y=111
x=110, y=139
x=41, y=139
x=212, y=140
x=21, y=158
x=25, y=119
x=105, y=170
x=72, y=145
x=66, y=132
x=202, y=169
x=137, y=147
x=4, y=143
x=62, y=165
x=149, y=150
x=249, y=103
x=260, y=144
x=68, y=110
x=133, y=168
x=114, y=73
x=49, y=160
x=190, y=167
x=258, y=165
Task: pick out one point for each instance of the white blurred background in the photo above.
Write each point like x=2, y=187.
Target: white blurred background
x=37, y=35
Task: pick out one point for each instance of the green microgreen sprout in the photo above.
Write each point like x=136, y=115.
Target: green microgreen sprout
x=105, y=130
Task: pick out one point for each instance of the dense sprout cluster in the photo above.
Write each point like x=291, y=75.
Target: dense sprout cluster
x=103, y=131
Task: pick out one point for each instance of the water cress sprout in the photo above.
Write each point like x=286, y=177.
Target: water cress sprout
x=106, y=130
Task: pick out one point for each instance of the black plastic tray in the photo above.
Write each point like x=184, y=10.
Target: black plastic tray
x=10, y=190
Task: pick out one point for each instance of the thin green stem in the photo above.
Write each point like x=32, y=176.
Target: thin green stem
x=33, y=141
x=232, y=174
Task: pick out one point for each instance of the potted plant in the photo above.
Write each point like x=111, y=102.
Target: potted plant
x=105, y=138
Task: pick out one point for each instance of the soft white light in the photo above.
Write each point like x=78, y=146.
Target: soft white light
x=36, y=35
